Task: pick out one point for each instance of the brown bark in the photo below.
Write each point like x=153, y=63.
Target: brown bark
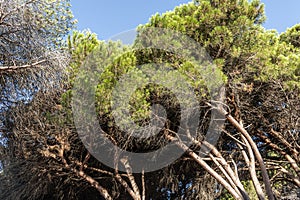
x=94, y=183
x=14, y=68
x=251, y=167
x=256, y=153
x=283, y=153
x=126, y=186
x=202, y=163
x=131, y=178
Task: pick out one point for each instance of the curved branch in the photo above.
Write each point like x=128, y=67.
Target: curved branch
x=202, y=163
x=257, y=154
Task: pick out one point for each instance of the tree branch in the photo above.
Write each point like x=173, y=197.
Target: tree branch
x=131, y=178
x=256, y=152
x=14, y=68
x=251, y=167
x=202, y=163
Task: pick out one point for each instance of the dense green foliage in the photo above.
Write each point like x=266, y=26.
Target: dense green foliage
x=44, y=158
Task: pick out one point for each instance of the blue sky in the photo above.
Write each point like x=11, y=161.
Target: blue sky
x=107, y=18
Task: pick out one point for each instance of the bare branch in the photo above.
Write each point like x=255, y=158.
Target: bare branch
x=14, y=68
x=251, y=167
x=256, y=152
x=131, y=178
x=202, y=163
x=143, y=186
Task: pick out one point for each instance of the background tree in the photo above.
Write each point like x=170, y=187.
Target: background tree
x=31, y=37
x=31, y=40
x=31, y=47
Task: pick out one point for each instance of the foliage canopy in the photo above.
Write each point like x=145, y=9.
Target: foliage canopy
x=257, y=154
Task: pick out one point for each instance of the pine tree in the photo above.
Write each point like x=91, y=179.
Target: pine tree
x=256, y=156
